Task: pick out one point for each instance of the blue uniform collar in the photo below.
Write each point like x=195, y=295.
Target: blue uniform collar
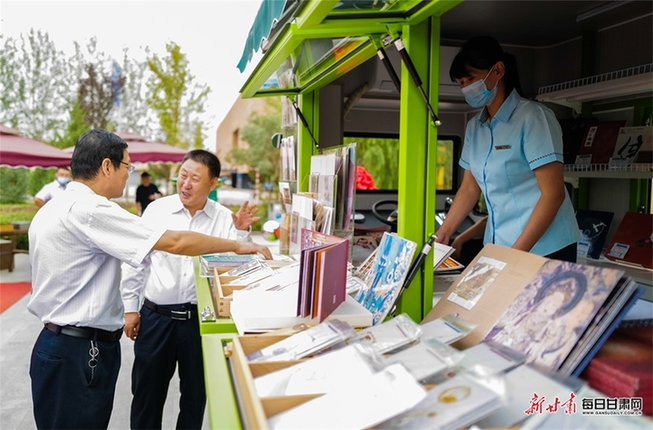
x=505, y=111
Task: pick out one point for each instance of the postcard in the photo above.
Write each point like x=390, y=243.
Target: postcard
x=456, y=403
x=476, y=281
x=386, y=276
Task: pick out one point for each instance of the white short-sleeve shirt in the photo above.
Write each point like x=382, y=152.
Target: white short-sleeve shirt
x=168, y=279
x=77, y=242
x=50, y=190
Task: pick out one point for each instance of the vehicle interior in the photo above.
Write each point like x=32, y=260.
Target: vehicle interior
x=586, y=60
x=555, y=42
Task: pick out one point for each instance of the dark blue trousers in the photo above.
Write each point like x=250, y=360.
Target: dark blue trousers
x=161, y=345
x=66, y=392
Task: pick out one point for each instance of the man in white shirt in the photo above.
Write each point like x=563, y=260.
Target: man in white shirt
x=77, y=242
x=45, y=194
x=166, y=332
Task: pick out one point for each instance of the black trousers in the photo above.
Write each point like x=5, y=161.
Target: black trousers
x=163, y=344
x=568, y=253
x=67, y=393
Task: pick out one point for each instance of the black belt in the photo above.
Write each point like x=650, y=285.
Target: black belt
x=87, y=333
x=186, y=311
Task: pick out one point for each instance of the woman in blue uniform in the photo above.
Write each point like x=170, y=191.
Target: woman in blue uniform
x=513, y=155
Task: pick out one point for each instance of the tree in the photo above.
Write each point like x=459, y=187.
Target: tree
x=97, y=94
x=175, y=97
x=260, y=154
x=38, y=178
x=132, y=112
x=380, y=156
x=76, y=127
x=34, y=84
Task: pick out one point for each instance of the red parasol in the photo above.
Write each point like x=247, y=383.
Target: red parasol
x=19, y=151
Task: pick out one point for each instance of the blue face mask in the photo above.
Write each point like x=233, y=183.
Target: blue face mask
x=477, y=95
x=63, y=180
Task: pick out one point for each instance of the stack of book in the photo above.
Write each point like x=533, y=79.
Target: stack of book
x=622, y=368
x=557, y=313
x=322, y=274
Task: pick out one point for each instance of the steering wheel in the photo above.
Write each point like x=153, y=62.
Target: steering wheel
x=391, y=220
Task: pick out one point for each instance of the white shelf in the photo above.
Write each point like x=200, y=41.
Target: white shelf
x=632, y=171
x=634, y=81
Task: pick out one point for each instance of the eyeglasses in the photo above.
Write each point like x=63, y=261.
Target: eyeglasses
x=130, y=168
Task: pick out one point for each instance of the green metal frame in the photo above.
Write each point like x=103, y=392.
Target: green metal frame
x=417, y=159
x=220, y=325
x=316, y=21
x=221, y=399
x=418, y=24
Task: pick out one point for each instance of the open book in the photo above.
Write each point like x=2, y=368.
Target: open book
x=557, y=313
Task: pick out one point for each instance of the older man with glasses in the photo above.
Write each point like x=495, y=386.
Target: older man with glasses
x=77, y=242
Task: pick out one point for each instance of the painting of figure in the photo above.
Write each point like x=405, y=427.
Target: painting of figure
x=552, y=312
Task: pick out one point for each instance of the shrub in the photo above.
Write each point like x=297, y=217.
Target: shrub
x=13, y=185
x=38, y=178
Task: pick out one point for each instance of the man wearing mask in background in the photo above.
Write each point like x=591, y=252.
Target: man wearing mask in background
x=61, y=179
x=166, y=331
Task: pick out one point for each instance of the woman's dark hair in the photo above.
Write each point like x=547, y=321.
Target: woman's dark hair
x=92, y=147
x=207, y=158
x=482, y=53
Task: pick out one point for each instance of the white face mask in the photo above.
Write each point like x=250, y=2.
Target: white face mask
x=477, y=95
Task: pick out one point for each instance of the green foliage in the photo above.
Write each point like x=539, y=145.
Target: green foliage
x=11, y=213
x=76, y=127
x=380, y=157
x=38, y=178
x=7, y=217
x=260, y=154
x=175, y=98
x=39, y=87
x=13, y=185
x=262, y=213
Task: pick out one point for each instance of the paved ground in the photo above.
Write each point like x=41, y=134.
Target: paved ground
x=18, y=331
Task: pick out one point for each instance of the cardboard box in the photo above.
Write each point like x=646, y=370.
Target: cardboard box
x=256, y=411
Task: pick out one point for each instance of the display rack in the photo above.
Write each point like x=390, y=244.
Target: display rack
x=209, y=320
x=631, y=171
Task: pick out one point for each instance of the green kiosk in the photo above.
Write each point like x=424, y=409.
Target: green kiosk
x=312, y=43
x=314, y=49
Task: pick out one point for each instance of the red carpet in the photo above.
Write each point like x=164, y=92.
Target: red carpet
x=11, y=292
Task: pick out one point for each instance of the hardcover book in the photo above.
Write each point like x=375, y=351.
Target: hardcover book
x=632, y=242
x=573, y=130
x=554, y=310
x=634, y=144
x=556, y=313
x=599, y=142
x=323, y=274
x=594, y=226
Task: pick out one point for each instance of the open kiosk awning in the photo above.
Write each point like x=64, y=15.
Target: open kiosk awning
x=313, y=42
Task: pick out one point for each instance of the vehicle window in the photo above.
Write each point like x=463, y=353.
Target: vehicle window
x=378, y=162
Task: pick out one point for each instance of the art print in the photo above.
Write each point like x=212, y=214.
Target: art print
x=476, y=281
